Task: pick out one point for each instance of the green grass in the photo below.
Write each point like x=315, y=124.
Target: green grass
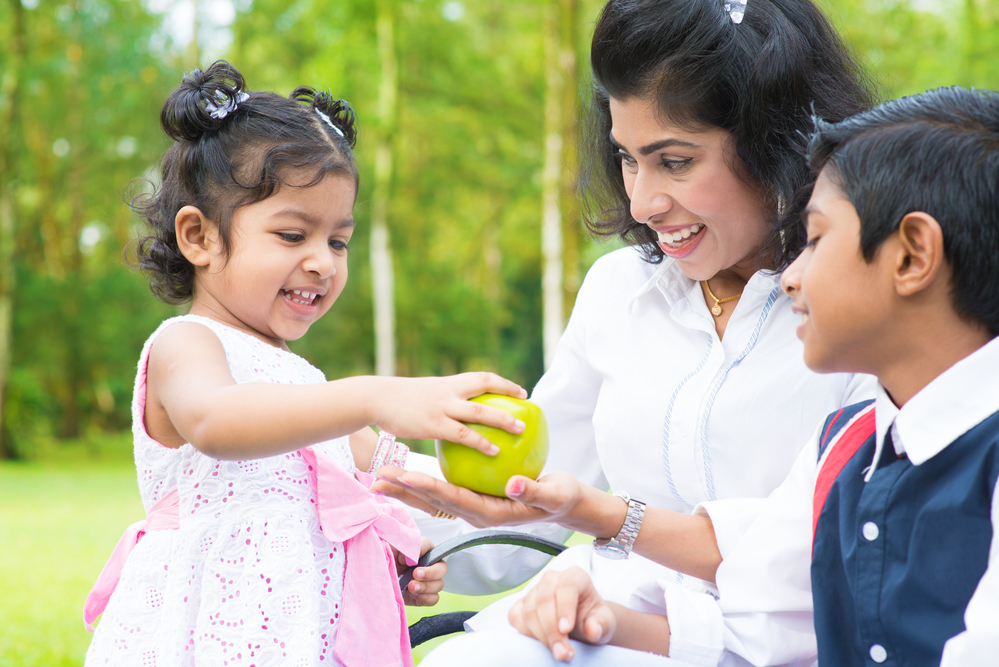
x=59, y=521
x=60, y=517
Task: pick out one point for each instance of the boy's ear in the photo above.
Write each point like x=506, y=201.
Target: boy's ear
x=921, y=256
x=195, y=235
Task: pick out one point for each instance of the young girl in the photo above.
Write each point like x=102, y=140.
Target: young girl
x=280, y=554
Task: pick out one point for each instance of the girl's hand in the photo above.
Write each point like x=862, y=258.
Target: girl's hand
x=427, y=582
x=436, y=407
x=563, y=605
x=553, y=498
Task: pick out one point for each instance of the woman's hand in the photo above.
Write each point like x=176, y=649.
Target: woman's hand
x=553, y=498
x=427, y=582
x=563, y=605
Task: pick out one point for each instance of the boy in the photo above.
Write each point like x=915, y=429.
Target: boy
x=897, y=522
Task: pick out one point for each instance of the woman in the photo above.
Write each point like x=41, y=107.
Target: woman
x=679, y=378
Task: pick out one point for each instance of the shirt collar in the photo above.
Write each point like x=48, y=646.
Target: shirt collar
x=956, y=401
x=885, y=413
x=675, y=285
x=668, y=268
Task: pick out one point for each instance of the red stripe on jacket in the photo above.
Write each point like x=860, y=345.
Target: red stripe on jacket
x=843, y=449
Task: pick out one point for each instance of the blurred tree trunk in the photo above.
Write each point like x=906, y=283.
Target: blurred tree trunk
x=558, y=173
x=383, y=280
x=76, y=371
x=192, y=54
x=8, y=154
x=572, y=229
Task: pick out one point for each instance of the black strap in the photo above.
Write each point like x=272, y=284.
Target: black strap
x=429, y=627
x=484, y=536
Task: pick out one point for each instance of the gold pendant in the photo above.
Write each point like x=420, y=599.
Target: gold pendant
x=716, y=310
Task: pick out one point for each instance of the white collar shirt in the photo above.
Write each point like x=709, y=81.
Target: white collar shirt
x=764, y=612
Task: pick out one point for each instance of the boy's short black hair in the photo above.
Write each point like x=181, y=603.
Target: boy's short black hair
x=938, y=153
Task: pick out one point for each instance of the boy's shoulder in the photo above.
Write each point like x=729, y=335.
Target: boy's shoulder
x=856, y=421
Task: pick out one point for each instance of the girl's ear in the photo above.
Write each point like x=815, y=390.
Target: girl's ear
x=195, y=235
x=921, y=258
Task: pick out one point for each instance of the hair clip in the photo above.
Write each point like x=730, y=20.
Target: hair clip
x=329, y=122
x=226, y=104
x=736, y=10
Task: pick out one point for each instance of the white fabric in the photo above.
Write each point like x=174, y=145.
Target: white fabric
x=764, y=581
x=643, y=396
x=501, y=649
x=157, y=469
x=248, y=577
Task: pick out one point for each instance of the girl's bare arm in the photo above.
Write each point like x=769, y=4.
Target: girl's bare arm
x=189, y=381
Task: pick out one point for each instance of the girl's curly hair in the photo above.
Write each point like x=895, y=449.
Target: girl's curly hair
x=233, y=148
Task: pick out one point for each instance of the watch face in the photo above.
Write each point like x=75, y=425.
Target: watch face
x=610, y=550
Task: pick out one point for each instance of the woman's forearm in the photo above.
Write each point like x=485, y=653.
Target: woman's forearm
x=682, y=542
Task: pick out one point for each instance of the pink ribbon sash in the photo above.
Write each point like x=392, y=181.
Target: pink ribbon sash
x=163, y=515
x=373, y=631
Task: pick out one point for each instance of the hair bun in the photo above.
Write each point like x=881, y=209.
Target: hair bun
x=202, y=101
x=338, y=112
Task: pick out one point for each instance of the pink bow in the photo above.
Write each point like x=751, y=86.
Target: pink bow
x=373, y=629
x=164, y=515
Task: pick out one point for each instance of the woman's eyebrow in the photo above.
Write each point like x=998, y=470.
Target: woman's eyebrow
x=657, y=146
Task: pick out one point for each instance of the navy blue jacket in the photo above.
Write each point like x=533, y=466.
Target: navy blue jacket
x=896, y=559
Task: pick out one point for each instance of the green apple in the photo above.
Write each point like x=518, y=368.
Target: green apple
x=523, y=454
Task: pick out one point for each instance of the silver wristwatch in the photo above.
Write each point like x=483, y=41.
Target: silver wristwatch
x=619, y=546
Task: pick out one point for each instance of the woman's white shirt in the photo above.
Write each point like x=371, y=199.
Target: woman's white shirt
x=642, y=396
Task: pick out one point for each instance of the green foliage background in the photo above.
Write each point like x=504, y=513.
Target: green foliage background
x=82, y=103
x=81, y=85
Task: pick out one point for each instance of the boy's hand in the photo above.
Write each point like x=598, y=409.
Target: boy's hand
x=563, y=605
x=438, y=408
x=427, y=582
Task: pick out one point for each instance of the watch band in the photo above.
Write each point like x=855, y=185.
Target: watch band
x=619, y=546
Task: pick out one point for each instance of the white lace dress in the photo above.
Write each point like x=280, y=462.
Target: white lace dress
x=248, y=578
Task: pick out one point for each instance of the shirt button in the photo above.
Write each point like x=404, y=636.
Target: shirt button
x=871, y=532
x=878, y=653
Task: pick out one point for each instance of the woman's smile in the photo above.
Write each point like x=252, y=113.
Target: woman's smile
x=688, y=186
x=679, y=242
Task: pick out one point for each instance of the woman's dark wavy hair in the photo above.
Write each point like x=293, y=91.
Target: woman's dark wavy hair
x=936, y=153
x=760, y=80
x=219, y=164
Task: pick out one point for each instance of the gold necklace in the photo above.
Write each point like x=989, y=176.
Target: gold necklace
x=716, y=309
